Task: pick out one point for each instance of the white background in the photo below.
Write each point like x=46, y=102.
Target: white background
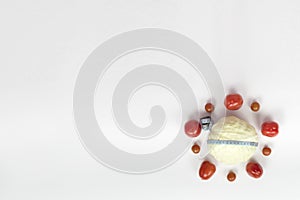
x=255, y=46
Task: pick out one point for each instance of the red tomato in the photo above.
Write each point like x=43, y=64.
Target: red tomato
x=192, y=128
x=209, y=107
x=269, y=129
x=206, y=170
x=233, y=101
x=254, y=170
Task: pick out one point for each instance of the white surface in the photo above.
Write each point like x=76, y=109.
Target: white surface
x=255, y=45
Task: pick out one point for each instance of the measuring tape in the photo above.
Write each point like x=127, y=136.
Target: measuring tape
x=232, y=142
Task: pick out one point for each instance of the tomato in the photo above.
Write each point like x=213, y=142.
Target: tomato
x=254, y=170
x=192, y=128
x=206, y=170
x=255, y=106
x=266, y=151
x=231, y=176
x=269, y=129
x=196, y=148
x=209, y=107
x=233, y=101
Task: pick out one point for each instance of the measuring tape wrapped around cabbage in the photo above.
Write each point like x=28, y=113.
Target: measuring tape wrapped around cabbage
x=232, y=141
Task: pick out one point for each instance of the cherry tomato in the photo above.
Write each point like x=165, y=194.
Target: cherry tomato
x=192, y=128
x=266, y=151
x=269, y=129
x=231, y=176
x=233, y=101
x=209, y=107
x=255, y=106
x=254, y=169
x=196, y=148
x=206, y=170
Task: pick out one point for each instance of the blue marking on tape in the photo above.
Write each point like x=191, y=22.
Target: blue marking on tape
x=232, y=142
